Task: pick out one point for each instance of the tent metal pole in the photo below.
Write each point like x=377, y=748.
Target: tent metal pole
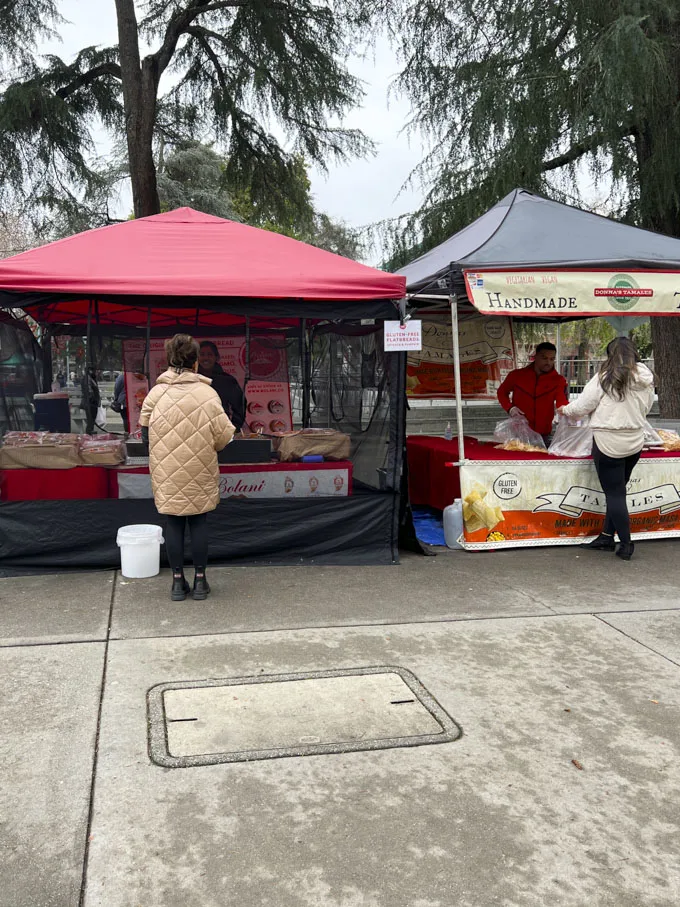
x=147, y=352
x=304, y=363
x=559, y=347
x=453, y=299
x=46, y=348
x=246, y=377
x=88, y=338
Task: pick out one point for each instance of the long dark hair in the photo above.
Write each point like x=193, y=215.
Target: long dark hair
x=619, y=373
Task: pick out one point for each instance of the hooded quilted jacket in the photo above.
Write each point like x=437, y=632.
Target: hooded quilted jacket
x=187, y=426
x=618, y=425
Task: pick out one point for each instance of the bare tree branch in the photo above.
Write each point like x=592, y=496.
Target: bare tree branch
x=180, y=22
x=104, y=69
x=582, y=148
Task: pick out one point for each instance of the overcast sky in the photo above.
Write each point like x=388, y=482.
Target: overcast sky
x=361, y=192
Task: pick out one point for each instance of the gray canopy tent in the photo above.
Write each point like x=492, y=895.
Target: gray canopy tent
x=525, y=232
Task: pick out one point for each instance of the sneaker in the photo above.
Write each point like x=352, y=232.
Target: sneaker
x=625, y=551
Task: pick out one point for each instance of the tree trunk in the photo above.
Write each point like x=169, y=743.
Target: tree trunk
x=666, y=348
x=139, y=99
x=665, y=331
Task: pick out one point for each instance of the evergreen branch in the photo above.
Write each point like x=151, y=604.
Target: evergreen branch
x=203, y=35
x=86, y=78
x=581, y=148
x=180, y=23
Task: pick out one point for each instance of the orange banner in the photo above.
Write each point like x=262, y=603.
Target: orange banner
x=517, y=503
x=487, y=355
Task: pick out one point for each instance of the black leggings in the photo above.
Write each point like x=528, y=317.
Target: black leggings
x=614, y=474
x=174, y=540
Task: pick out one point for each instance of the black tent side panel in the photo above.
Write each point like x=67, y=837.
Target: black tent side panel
x=52, y=536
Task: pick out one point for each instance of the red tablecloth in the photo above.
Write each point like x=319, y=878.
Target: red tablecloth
x=434, y=484
x=430, y=482
x=79, y=483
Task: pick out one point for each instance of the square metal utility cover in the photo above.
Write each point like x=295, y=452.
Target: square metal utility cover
x=241, y=719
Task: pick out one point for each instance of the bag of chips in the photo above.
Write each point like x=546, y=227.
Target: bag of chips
x=515, y=433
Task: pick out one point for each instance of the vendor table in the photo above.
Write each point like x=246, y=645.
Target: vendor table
x=252, y=480
x=543, y=500
x=242, y=480
x=430, y=482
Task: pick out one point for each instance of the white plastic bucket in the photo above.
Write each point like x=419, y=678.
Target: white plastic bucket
x=140, y=550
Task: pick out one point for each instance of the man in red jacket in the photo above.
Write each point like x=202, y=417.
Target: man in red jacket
x=536, y=391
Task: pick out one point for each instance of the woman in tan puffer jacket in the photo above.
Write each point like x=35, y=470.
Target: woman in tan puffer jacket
x=186, y=427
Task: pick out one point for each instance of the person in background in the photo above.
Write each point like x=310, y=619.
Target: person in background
x=91, y=398
x=61, y=379
x=618, y=400
x=536, y=391
x=227, y=387
x=119, y=402
x=184, y=424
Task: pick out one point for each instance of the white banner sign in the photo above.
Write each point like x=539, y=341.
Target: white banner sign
x=403, y=337
x=540, y=293
x=526, y=502
x=294, y=483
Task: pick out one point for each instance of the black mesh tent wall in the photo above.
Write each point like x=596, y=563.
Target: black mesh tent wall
x=340, y=378
x=20, y=374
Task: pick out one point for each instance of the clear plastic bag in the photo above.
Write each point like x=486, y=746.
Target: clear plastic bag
x=652, y=436
x=515, y=433
x=572, y=438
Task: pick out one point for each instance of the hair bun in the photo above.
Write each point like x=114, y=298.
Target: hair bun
x=182, y=351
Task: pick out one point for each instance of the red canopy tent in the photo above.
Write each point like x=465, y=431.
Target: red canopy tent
x=189, y=267
x=191, y=271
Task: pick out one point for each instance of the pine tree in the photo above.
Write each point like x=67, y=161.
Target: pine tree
x=527, y=93
x=242, y=71
x=194, y=174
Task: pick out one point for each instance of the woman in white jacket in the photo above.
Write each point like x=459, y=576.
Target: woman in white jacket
x=618, y=400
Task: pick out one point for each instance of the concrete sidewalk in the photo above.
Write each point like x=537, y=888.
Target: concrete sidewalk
x=562, y=667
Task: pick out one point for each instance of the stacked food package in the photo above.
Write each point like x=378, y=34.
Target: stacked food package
x=52, y=450
x=325, y=442
x=101, y=450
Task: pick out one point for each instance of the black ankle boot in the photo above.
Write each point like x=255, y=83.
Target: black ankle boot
x=601, y=543
x=625, y=551
x=180, y=587
x=201, y=587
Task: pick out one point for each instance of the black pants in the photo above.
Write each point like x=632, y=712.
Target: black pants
x=614, y=474
x=174, y=540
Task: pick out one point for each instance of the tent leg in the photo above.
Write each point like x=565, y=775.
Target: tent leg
x=456, y=375
x=46, y=346
x=558, y=364
x=246, y=377
x=147, y=351
x=306, y=373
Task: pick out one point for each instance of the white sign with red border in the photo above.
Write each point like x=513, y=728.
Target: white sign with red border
x=326, y=481
x=403, y=337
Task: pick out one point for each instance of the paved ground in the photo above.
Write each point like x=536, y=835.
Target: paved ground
x=561, y=666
